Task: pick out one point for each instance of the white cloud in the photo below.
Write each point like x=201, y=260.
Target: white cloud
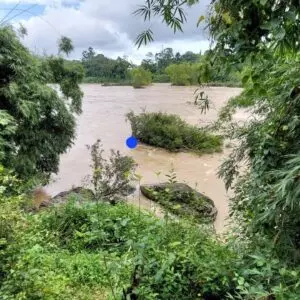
x=108, y=26
x=42, y=2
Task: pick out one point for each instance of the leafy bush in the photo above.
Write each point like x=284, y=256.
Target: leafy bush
x=180, y=74
x=11, y=217
x=111, y=178
x=172, y=133
x=140, y=77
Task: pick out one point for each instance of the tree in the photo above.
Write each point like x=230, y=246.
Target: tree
x=164, y=58
x=104, y=68
x=88, y=54
x=112, y=179
x=120, y=68
x=177, y=57
x=65, y=45
x=38, y=124
x=140, y=77
x=190, y=57
x=148, y=63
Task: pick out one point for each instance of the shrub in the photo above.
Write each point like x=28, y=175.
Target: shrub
x=180, y=74
x=172, y=133
x=140, y=77
x=11, y=216
x=111, y=178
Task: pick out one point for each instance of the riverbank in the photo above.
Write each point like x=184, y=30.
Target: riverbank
x=156, y=80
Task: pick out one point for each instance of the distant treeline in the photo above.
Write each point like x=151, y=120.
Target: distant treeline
x=165, y=66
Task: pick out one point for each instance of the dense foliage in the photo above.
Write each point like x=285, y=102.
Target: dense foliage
x=37, y=123
x=99, y=248
x=182, y=74
x=88, y=250
x=267, y=198
x=99, y=251
x=172, y=133
x=265, y=36
x=140, y=77
x=164, y=66
x=99, y=68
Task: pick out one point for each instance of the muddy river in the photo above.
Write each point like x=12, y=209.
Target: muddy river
x=103, y=117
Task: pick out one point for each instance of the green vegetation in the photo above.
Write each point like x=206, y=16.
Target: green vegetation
x=207, y=71
x=181, y=74
x=112, y=178
x=100, y=69
x=172, y=133
x=91, y=251
x=140, y=77
x=161, y=78
x=95, y=250
x=37, y=124
x=164, y=66
x=88, y=250
x=259, y=38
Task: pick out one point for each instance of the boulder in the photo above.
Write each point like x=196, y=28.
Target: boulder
x=181, y=200
x=81, y=193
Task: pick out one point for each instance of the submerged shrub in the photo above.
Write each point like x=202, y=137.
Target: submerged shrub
x=172, y=133
x=180, y=74
x=140, y=77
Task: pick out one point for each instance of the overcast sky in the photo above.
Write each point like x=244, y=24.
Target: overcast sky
x=106, y=25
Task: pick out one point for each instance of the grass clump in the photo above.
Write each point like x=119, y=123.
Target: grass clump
x=172, y=133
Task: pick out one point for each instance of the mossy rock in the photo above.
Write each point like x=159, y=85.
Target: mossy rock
x=182, y=200
x=83, y=194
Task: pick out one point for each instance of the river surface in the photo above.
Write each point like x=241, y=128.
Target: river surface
x=103, y=117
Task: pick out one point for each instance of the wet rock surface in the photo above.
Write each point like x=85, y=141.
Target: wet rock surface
x=80, y=193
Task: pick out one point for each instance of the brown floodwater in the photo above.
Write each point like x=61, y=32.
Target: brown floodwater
x=103, y=117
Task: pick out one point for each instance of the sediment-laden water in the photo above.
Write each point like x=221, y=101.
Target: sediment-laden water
x=103, y=117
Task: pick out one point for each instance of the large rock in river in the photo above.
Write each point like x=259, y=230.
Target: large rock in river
x=82, y=194
x=182, y=200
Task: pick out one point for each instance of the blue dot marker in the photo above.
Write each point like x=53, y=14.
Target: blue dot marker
x=131, y=142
